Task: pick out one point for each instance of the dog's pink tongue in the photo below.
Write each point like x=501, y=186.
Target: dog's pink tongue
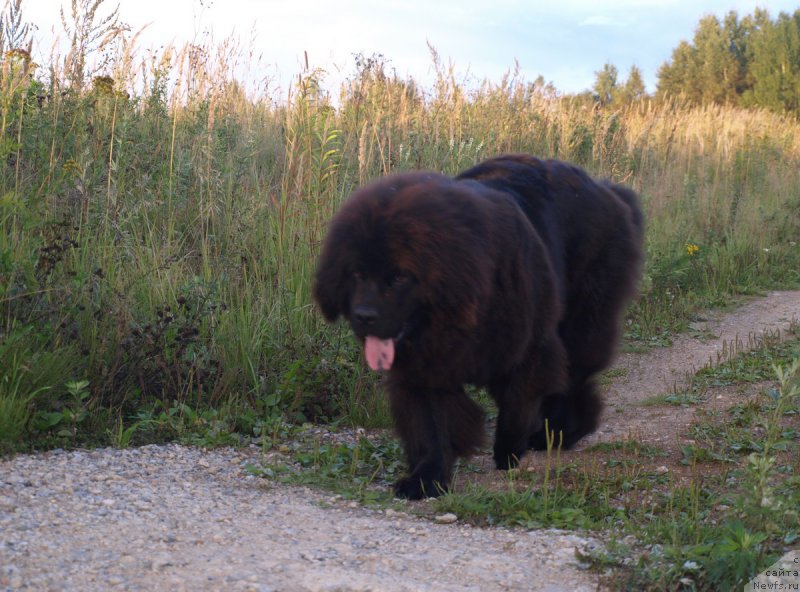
x=379, y=353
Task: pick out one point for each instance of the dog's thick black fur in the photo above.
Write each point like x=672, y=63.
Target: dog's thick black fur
x=512, y=275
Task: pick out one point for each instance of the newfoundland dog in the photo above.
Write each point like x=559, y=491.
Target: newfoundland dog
x=511, y=276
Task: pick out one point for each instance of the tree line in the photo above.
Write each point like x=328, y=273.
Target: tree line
x=752, y=61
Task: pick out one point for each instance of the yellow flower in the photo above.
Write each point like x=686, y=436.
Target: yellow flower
x=71, y=167
x=692, y=249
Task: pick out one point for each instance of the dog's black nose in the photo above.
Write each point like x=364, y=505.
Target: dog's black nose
x=365, y=314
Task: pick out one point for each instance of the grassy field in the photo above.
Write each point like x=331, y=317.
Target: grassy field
x=157, y=246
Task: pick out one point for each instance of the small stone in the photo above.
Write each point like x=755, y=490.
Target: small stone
x=662, y=470
x=161, y=562
x=448, y=518
x=6, y=503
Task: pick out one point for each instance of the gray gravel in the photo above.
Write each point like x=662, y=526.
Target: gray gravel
x=178, y=518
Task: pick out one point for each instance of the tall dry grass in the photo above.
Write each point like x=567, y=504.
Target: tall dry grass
x=160, y=224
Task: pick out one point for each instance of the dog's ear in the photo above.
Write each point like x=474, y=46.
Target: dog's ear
x=342, y=249
x=331, y=287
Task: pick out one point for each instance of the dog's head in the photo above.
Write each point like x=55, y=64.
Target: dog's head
x=404, y=252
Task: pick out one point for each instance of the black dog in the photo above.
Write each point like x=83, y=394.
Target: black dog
x=513, y=276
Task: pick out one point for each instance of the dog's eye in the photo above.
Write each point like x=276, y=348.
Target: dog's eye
x=399, y=280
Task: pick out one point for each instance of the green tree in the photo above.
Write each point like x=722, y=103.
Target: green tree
x=740, y=33
x=633, y=90
x=775, y=67
x=753, y=62
x=718, y=69
x=679, y=77
x=605, y=85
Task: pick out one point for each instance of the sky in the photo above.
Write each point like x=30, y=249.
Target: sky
x=565, y=41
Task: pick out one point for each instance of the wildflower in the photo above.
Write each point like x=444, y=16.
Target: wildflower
x=71, y=167
x=692, y=249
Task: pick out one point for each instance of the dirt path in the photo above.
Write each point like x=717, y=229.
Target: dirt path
x=177, y=518
x=666, y=370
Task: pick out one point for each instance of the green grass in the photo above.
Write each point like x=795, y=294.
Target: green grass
x=631, y=446
x=362, y=469
x=736, y=365
x=677, y=399
x=607, y=377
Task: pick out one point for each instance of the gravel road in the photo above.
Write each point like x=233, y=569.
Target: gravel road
x=179, y=518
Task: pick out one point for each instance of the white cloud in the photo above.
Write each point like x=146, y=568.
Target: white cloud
x=602, y=20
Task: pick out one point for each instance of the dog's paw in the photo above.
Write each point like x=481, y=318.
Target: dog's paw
x=505, y=461
x=415, y=488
